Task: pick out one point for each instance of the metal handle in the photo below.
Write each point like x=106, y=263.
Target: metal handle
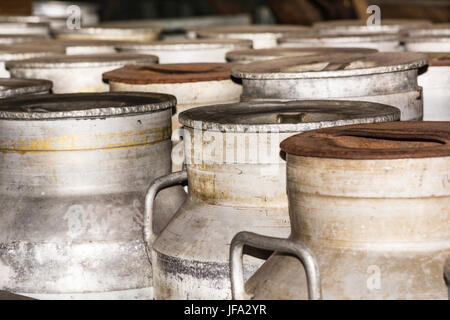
x=157, y=185
x=274, y=244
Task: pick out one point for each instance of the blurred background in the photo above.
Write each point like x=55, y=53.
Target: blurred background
x=303, y=12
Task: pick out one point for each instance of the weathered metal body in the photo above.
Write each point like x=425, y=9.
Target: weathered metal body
x=263, y=36
x=236, y=180
x=11, y=52
x=189, y=51
x=370, y=238
x=24, y=28
x=148, y=33
x=58, y=11
x=435, y=82
x=381, y=42
x=394, y=26
x=18, y=87
x=388, y=78
x=252, y=55
x=74, y=171
x=75, y=73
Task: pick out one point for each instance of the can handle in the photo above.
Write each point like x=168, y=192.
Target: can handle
x=157, y=185
x=296, y=248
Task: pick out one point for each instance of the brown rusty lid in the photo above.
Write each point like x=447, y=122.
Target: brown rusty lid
x=170, y=73
x=439, y=59
x=389, y=140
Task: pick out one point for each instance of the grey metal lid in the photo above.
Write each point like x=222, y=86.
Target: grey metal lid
x=13, y=52
x=192, y=44
x=338, y=38
x=360, y=26
x=83, y=105
x=285, y=116
x=249, y=29
x=427, y=38
x=24, y=28
x=438, y=29
x=18, y=38
x=12, y=87
x=24, y=19
x=82, y=61
x=330, y=65
x=274, y=53
x=115, y=31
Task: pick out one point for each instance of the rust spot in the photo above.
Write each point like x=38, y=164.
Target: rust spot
x=170, y=73
x=390, y=140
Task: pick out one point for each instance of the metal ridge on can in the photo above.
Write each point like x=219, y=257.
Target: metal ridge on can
x=12, y=87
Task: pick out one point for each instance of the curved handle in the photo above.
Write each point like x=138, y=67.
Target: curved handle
x=274, y=244
x=157, y=185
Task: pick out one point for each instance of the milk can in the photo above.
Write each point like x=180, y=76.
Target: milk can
x=252, y=55
x=369, y=208
x=395, y=26
x=380, y=41
x=435, y=82
x=24, y=28
x=61, y=10
x=148, y=33
x=188, y=51
x=12, y=52
x=193, y=84
x=263, y=36
x=236, y=181
x=18, y=87
x=73, y=175
x=75, y=73
x=389, y=78
x=437, y=29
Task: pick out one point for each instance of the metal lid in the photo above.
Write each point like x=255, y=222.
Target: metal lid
x=389, y=140
x=83, y=105
x=170, y=73
x=192, y=44
x=438, y=29
x=18, y=38
x=12, y=87
x=274, y=53
x=25, y=51
x=285, y=116
x=24, y=28
x=330, y=65
x=24, y=19
x=427, y=39
x=360, y=26
x=82, y=61
x=439, y=59
x=338, y=38
x=249, y=29
x=107, y=31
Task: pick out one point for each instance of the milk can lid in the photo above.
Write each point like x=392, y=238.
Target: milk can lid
x=285, y=116
x=274, y=53
x=389, y=140
x=110, y=30
x=12, y=86
x=330, y=65
x=387, y=25
x=82, y=60
x=17, y=38
x=188, y=44
x=9, y=51
x=438, y=29
x=427, y=39
x=313, y=38
x=170, y=73
x=439, y=59
x=277, y=29
x=83, y=105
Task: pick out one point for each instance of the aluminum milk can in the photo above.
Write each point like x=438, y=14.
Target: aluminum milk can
x=18, y=87
x=236, y=181
x=380, y=41
x=59, y=11
x=75, y=73
x=73, y=175
x=252, y=55
x=263, y=36
x=148, y=33
x=188, y=51
x=369, y=208
x=389, y=78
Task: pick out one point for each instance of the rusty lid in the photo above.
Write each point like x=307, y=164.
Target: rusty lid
x=12, y=87
x=188, y=44
x=218, y=31
x=330, y=65
x=314, y=39
x=17, y=38
x=438, y=29
x=360, y=26
x=253, y=55
x=82, y=61
x=390, y=140
x=285, y=116
x=170, y=73
x=83, y=105
x=438, y=59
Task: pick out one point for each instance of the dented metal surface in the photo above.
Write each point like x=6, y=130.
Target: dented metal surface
x=388, y=78
x=75, y=73
x=236, y=180
x=74, y=171
x=372, y=239
x=18, y=87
